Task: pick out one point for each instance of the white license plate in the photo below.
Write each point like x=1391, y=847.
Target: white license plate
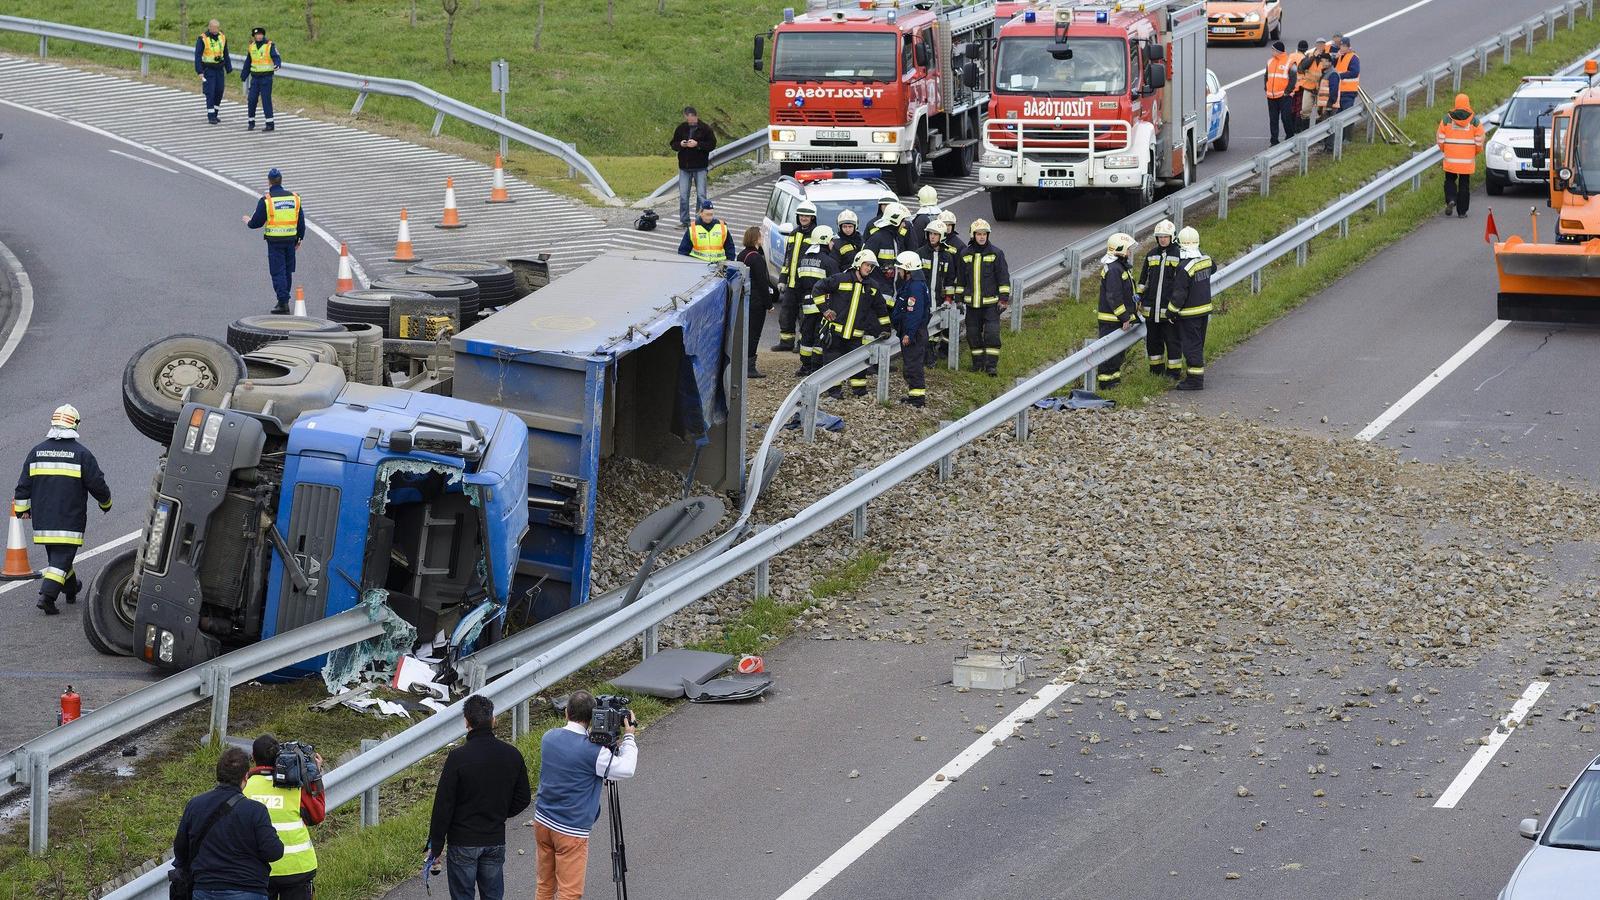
x=1057, y=182
x=1224, y=29
x=833, y=135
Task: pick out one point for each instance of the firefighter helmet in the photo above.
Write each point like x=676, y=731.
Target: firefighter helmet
x=949, y=218
x=896, y=213
x=847, y=215
x=806, y=208
x=1188, y=238
x=979, y=225
x=1120, y=243
x=820, y=235
x=1165, y=228
x=928, y=196
x=934, y=226
x=865, y=258
x=908, y=260
x=65, y=416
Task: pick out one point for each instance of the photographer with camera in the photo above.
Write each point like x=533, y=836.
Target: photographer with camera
x=287, y=780
x=595, y=747
x=484, y=783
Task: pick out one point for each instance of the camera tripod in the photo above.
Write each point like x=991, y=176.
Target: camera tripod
x=619, y=846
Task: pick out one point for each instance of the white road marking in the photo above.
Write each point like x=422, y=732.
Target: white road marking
x=1367, y=27
x=137, y=159
x=1475, y=766
x=1431, y=381
x=880, y=828
x=87, y=554
x=24, y=301
x=314, y=228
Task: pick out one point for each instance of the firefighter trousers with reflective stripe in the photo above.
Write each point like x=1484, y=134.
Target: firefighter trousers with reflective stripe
x=841, y=346
x=1110, y=371
x=1161, y=344
x=58, y=572
x=914, y=358
x=983, y=336
x=811, y=340
x=1192, y=334
x=260, y=90
x=788, y=314
x=1458, y=190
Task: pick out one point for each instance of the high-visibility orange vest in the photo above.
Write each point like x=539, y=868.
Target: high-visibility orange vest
x=1460, y=141
x=1348, y=84
x=1277, y=76
x=1311, y=76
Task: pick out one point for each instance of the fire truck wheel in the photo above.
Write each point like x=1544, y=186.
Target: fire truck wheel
x=905, y=176
x=1003, y=203
x=1140, y=197
x=113, y=602
x=156, y=376
x=957, y=163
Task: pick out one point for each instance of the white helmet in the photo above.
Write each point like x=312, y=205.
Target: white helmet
x=949, y=218
x=1189, y=238
x=1165, y=228
x=908, y=260
x=865, y=258
x=806, y=208
x=928, y=196
x=1120, y=243
x=820, y=235
x=934, y=226
x=896, y=213
x=979, y=225
x=847, y=215
x=65, y=416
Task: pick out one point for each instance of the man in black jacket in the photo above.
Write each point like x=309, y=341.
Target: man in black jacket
x=484, y=783
x=57, y=480
x=693, y=141
x=231, y=860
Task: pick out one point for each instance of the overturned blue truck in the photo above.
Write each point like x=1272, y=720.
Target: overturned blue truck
x=460, y=492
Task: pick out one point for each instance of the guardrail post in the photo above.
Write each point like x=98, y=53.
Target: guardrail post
x=1220, y=187
x=881, y=353
x=369, y=797
x=649, y=642
x=1264, y=174
x=764, y=579
x=1372, y=129
x=1572, y=17
x=1018, y=294
x=1075, y=268
x=38, y=802
x=1088, y=375
x=1483, y=60
x=1455, y=75
x=1175, y=209
x=519, y=711
x=1338, y=142
x=1550, y=26
x=808, y=412
x=1383, y=203
x=1022, y=418
x=1302, y=147
x=1344, y=227
x=1255, y=282
x=858, y=522
x=1507, y=39
x=44, y=46
x=361, y=99
x=1528, y=37
x=1416, y=182
x=947, y=462
x=1300, y=253
x=219, y=685
x=1402, y=95
x=952, y=354
x=572, y=171
x=438, y=123
x=1428, y=94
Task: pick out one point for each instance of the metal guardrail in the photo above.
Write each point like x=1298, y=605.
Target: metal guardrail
x=363, y=85
x=754, y=142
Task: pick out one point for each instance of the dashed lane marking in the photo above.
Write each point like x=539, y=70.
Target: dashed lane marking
x=87, y=554
x=1475, y=766
x=1352, y=33
x=1432, y=381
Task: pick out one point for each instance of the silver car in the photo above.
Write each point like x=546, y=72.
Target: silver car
x=1565, y=859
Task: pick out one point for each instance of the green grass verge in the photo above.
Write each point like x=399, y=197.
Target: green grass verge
x=1053, y=329
x=615, y=89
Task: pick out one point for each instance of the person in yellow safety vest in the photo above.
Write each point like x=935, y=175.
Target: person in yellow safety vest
x=1349, y=69
x=1191, y=307
x=211, y=62
x=1117, y=299
x=707, y=238
x=293, y=810
x=1277, y=82
x=855, y=312
x=985, y=287
x=282, y=220
x=1460, y=138
x=263, y=61
x=58, y=478
x=794, y=244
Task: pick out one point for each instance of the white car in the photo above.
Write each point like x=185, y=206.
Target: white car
x=1508, y=156
x=1216, y=115
x=1565, y=859
x=832, y=191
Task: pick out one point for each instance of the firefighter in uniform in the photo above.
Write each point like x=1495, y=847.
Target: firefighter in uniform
x=57, y=478
x=815, y=266
x=1191, y=307
x=282, y=220
x=293, y=810
x=939, y=270
x=1116, y=302
x=948, y=217
x=854, y=313
x=707, y=238
x=794, y=244
x=883, y=210
x=912, y=310
x=927, y=211
x=263, y=61
x=847, y=238
x=886, y=244
x=985, y=287
x=1460, y=137
x=211, y=63
x=1279, y=104
x=1157, y=278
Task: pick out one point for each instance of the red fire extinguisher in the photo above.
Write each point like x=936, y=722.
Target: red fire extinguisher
x=71, y=706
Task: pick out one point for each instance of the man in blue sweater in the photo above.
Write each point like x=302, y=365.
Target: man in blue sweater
x=225, y=840
x=571, y=773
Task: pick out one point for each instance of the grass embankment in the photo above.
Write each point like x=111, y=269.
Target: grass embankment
x=1052, y=329
x=114, y=824
x=614, y=90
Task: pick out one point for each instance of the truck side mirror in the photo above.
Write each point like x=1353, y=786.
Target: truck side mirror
x=974, y=51
x=761, y=57
x=969, y=75
x=922, y=56
x=1155, y=77
x=1155, y=52
x=1539, y=160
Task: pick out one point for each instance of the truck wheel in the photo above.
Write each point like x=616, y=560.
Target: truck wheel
x=369, y=353
x=1221, y=143
x=905, y=176
x=156, y=376
x=367, y=307
x=955, y=164
x=1003, y=204
x=445, y=287
x=250, y=332
x=108, y=617
x=497, y=285
x=1140, y=197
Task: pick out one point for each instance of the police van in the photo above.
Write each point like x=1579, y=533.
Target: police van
x=1508, y=156
x=832, y=191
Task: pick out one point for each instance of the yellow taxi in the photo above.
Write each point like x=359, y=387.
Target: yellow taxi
x=1256, y=21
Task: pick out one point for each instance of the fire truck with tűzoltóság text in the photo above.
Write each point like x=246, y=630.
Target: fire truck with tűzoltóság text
x=879, y=83
x=1103, y=96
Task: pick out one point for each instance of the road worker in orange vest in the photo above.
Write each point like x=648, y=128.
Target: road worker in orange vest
x=1460, y=138
x=1294, y=78
x=1348, y=65
x=1277, y=81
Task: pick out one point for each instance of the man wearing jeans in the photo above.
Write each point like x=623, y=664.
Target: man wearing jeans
x=484, y=783
x=693, y=142
x=572, y=771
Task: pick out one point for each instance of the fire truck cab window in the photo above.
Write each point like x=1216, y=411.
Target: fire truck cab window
x=827, y=56
x=1097, y=66
x=1585, y=162
x=907, y=61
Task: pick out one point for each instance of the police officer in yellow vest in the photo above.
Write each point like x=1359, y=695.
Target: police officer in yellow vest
x=293, y=810
x=263, y=61
x=707, y=238
x=211, y=62
x=282, y=220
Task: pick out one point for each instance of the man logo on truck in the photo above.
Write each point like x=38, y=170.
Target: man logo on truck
x=313, y=570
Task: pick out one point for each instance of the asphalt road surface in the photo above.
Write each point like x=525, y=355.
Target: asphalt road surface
x=122, y=248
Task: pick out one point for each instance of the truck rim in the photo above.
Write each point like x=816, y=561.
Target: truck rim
x=183, y=372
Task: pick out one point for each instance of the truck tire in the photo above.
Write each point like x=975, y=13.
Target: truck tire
x=108, y=616
x=369, y=353
x=442, y=286
x=367, y=307
x=1138, y=198
x=1003, y=203
x=156, y=376
x=904, y=179
x=957, y=163
x=250, y=332
x=497, y=284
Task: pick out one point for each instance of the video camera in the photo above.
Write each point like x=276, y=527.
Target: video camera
x=611, y=713
x=296, y=765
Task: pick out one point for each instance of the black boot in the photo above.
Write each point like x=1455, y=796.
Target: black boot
x=73, y=587
x=752, y=372
x=782, y=347
x=1193, y=383
x=282, y=309
x=49, y=606
x=858, y=391
x=918, y=402
x=836, y=392
x=270, y=127
x=250, y=126
x=1157, y=369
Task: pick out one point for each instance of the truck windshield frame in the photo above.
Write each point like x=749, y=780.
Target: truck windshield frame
x=1098, y=67
x=1584, y=158
x=836, y=56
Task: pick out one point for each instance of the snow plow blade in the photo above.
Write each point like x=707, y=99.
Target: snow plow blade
x=1548, y=282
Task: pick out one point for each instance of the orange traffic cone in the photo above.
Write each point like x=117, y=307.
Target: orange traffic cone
x=498, y=193
x=347, y=278
x=402, y=245
x=452, y=218
x=300, y=302
x=17, y=567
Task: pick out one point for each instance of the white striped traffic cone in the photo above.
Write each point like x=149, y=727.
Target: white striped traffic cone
x=347, y=278
x=498, y=193
x=300, y=302
x=17, y=567
x=402, y=244
x=452, y=218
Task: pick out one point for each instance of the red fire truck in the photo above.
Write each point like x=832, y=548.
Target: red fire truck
x=1095, y=96
x=879, y=83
